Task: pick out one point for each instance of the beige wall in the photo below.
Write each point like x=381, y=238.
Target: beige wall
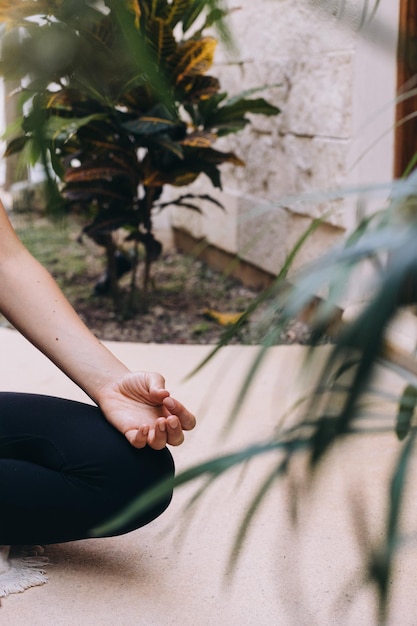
x=336, y=91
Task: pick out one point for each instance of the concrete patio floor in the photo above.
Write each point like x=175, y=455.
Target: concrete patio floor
x=172, y=571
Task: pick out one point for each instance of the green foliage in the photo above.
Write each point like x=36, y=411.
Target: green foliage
x=121, y=105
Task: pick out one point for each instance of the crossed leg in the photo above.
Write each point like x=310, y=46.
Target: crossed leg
x=64, y=470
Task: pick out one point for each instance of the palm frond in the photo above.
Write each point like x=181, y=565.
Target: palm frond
x=212, y=468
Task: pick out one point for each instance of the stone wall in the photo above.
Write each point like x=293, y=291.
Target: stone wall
x=329, y=83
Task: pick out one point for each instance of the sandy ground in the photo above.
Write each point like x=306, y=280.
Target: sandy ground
x=172, y=572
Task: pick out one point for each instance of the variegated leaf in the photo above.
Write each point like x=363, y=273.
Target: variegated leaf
x=133, y=7
x=176, y=11
x=85, y=173
x=193, y=58
x=199, y=88
x=161, y=39
x=199, y=139
x=216, y=157
x=178, y=178
x=148, y=125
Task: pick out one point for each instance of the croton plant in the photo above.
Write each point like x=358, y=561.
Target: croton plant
x=117, y=104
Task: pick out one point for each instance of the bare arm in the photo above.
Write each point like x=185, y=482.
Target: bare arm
x=33, y=302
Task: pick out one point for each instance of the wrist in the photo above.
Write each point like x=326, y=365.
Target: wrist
x=100, y=385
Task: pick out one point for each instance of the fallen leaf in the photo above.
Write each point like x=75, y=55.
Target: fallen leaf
x=224, y=319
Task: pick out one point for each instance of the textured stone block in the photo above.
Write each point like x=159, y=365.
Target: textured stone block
x=320, y=97
x=262, y=231
x=268, y=29
x=317, y=244
x=327, y=82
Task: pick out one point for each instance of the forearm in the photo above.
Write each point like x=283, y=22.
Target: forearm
x=137, y=403
x=34, y=304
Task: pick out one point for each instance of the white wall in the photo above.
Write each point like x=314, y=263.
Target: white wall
x=336, y=91
x=371, y=153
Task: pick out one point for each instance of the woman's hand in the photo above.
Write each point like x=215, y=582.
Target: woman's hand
x=140, y=407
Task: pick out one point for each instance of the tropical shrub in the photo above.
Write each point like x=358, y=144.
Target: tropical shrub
x=119, y=106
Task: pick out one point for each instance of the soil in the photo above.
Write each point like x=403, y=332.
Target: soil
x=189, y=304
x=182, y=306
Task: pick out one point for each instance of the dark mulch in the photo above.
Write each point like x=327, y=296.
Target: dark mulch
x=182, y=306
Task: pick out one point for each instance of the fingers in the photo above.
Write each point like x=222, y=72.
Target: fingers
x=175, y=435
x=187, y=419
x=157, y=395
x=167, y=428
x=156, y=384
x=166, y=431
x=158, y=436
x=138, y=437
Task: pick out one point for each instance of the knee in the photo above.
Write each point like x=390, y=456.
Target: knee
x=153, y=495
x=161, y=481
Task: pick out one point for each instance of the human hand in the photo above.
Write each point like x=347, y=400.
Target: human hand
x=140, y=407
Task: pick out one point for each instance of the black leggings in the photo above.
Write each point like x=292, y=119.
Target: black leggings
x=64, y=470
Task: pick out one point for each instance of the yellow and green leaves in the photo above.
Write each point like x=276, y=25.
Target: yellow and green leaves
x=161, y=40
x=133, y=7
x=105, y=100
x=192, y=58
x=122, y=104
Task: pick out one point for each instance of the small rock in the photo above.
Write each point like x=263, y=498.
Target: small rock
x=158, y=311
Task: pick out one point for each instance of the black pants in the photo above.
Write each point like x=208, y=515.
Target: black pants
x=64, y=470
